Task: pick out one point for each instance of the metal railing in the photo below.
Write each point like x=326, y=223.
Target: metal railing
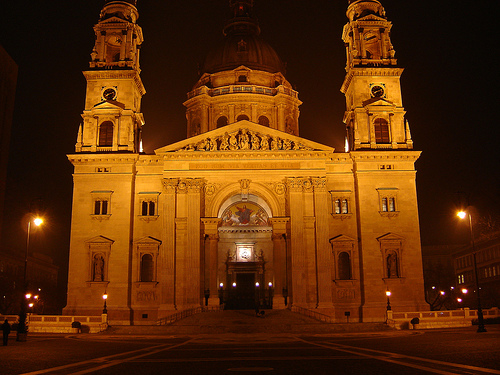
x=185, y=313
x=312, y=314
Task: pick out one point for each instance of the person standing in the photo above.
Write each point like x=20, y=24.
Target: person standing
x=6, y=331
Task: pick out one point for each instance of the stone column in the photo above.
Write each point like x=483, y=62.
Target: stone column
x=279, y=260
x=211, y=258
x=323, y=248
x=166, y=259
x=297, y=291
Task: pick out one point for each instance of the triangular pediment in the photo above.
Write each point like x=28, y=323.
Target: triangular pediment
x=100, y=240
x=341, y=238
x=109, y=104
x=390, y=237
x=378, y=102
x=113, y=19
x=148, y=240
x=244, y=136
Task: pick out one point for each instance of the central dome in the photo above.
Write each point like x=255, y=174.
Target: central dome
x=242, y=45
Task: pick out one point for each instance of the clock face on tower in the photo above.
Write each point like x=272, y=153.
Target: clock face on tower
x=377, y=91
x=114, y=40
x=109, y=94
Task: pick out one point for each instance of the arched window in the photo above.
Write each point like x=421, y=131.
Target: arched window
x=222, y=121
x=147, y=268
x=392, y=264
x=242, y=117
x=384, y=204
x=345, y=207
x=290, y=126
x=337, y=206
x=106, y=134
x=148, y=208
x=381, y=131
x=344, y=266
x=392, y=204
x=263, y=120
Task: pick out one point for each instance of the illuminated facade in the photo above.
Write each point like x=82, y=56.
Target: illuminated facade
x=244, y=210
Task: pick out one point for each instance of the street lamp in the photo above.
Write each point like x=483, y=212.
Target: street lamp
x=105, y=309
x=21, y=328
x=388, y=294
x=480, y=318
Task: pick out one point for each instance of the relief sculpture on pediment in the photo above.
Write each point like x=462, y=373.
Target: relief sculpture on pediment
x=246, y=140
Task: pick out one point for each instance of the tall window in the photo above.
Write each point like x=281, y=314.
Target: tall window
x=147, y=268
x=100, y=207
x=384, y=204
x=381, y=131
x=106, y=134
x=222, y=121
x=263, y=120
x=337, y=206
x=148, y=208
x=344, y=266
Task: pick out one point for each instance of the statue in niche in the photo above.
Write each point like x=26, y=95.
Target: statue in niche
x=233, y=142
x=264, y=143
x=224, y=142
x=244, y=142
x=98, y=267
x=392, y=265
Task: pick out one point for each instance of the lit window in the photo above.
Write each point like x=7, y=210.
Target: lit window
x=345, y=207
x=384, y=204
x=392, y=205
x=337, y=206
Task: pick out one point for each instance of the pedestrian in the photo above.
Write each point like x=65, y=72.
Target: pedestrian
x=6, y=331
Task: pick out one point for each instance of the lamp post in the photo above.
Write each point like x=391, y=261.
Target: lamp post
x=105, y=309
x=480, y=318
x=388, y=294
x=21, y=328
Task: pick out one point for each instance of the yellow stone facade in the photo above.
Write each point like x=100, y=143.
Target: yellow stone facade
x=244, y=210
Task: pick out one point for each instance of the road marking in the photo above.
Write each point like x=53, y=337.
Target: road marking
x=111, y=361
x=390, y=358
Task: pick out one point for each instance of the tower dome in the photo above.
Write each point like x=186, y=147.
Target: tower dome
x=242, y=45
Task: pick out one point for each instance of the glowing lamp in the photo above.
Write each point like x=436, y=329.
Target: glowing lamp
x=38, y=221
x=462, y=214
x=388, y=293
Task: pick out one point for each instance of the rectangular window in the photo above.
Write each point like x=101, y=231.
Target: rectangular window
x=100, y=207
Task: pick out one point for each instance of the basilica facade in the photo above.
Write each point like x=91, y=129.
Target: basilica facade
x=244, y=212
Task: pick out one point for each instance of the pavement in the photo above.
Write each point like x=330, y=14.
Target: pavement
x=246, y=322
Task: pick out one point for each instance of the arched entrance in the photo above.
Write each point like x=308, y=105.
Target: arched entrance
x=246, y=269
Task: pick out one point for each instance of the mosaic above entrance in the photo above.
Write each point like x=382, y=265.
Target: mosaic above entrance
x=244, y=214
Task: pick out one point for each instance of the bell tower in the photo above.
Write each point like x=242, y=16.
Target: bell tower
x=374, y=116
x=112, y=121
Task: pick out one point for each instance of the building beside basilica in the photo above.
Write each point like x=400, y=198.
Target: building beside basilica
x=244, y=210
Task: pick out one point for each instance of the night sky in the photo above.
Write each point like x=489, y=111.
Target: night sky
x=450, y=92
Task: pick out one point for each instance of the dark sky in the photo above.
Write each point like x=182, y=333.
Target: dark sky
x=450, y=92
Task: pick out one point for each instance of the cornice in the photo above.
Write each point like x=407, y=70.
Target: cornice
x=369, y=71
x=384, y=155
x=116, y=74
x=102, y=158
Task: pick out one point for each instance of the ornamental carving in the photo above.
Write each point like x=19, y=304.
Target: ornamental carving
x=170, y=184
x=246, y=140
x=344, y=293
x=319, y=184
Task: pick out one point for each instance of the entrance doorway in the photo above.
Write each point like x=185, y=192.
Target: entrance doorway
x=242, y=296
